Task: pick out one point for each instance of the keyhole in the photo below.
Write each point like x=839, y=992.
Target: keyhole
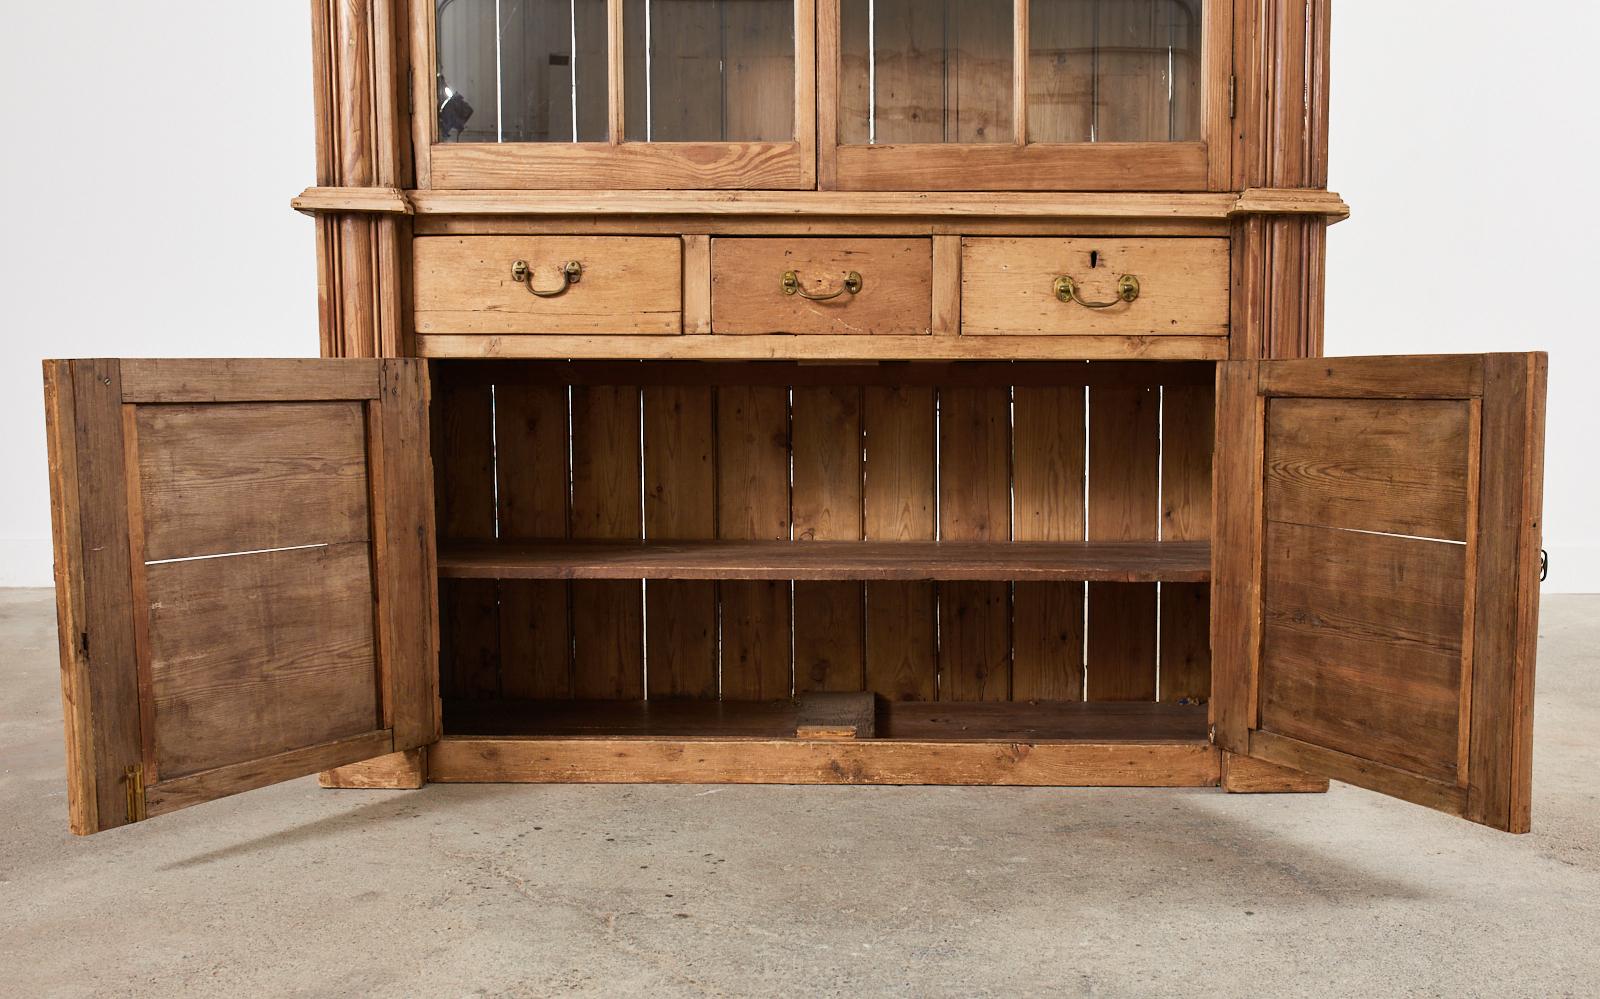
x=1094, y=259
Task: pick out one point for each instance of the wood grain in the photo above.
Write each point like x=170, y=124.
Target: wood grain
x=1008, y=286
x=753, y=504
x=1398, y=466
x=243, y=477
x=896, y=297
x=680, y=503
x=402, y=771
x=257, y=655
x=826, y=504
x=820, y=347
x=835, y=715
x=974, y=505
x=630, y=285
x=1048, y=500
x=1123, y=505
x=1188, y=439
x=607, y=617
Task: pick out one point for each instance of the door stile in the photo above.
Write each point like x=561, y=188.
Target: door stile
x=1237, y=531
x=139, y=591
x=1506, y=616
x=89, y=509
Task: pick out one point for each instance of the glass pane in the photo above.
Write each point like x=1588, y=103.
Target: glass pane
x=925, y=71
x=708, y=70
x=521, y=70
x=1114, y=70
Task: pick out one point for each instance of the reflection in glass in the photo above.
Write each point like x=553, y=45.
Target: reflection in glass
x=1114, y=70
x=521, y=70
x=925, y=71
x=708, y=70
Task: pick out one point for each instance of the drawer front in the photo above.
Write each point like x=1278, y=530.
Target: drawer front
x=627, y=284
x=1010, y=286
x=749, y=293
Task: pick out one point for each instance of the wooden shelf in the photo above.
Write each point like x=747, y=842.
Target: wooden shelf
x=955, y=722
x=1116, y=562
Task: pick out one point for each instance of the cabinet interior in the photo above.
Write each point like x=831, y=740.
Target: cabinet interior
x=996, y=550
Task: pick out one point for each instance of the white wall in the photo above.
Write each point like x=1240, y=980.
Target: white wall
x=1464, y=139
x=152, y=150
x=150, y=154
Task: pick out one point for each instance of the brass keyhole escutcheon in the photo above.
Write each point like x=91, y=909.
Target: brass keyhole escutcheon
x=1067, y=290
x=571, y=273
x=791, y=286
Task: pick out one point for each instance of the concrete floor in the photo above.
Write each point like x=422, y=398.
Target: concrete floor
x=746, y=891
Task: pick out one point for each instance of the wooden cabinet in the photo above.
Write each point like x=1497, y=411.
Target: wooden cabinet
x=872, y=391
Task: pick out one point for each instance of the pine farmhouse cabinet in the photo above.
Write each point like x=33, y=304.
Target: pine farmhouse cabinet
x=806, y=391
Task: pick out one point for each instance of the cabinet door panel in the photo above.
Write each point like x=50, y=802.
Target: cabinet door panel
x=1376, y=576
x=244, y=570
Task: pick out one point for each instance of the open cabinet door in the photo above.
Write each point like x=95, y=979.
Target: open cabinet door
x=1376, y=573
x=244, y=564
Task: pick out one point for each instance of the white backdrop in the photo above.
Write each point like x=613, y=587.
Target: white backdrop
x=152, y=151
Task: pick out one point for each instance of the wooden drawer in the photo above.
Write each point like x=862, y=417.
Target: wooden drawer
x=748, y=293
x=628, y=284
x=1008, y=286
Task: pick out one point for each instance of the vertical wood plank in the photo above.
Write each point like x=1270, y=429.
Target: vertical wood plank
x=99, y=674
x=405, y=572
x=753, y=505
x=696, y=284
x=607, y=616
x=828, y=623
x=946, y=314
x=464, y=487
x=974, y=505
x=680, y=504
x=1123, y=503
x=1506, y=615
x=1048, y=463
x=902, y=618
x=1187, y=438
x=1236, y=558
x=531, y=439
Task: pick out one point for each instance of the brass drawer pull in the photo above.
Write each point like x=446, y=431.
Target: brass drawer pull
x=1127, y=291
x=570, y=275
x=791, y=286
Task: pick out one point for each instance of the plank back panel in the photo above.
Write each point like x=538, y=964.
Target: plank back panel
x=898, y=505
x=464, y=490
x=1048, y=485
x=1188, y=434
x=829, y=625
x=1123, y=505
x=608, y=617
x=680, y=504
x=974, y=505
x=531, y=492
x=753, y=504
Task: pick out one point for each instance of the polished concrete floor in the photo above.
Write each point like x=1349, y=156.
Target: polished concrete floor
x=747, y=891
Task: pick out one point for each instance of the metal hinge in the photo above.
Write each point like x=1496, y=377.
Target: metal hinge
x=134, y=777
x=1233, y=96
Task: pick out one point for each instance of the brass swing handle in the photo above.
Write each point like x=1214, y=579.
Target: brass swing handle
x=791, y=286
x=570, y=275
x=1127, y=291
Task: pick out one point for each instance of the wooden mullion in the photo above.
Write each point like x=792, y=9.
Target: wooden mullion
x=1019, y=72
x=615, y=110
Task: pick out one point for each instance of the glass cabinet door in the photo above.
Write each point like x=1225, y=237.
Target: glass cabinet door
x=581, y=94
x=1024, y=94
